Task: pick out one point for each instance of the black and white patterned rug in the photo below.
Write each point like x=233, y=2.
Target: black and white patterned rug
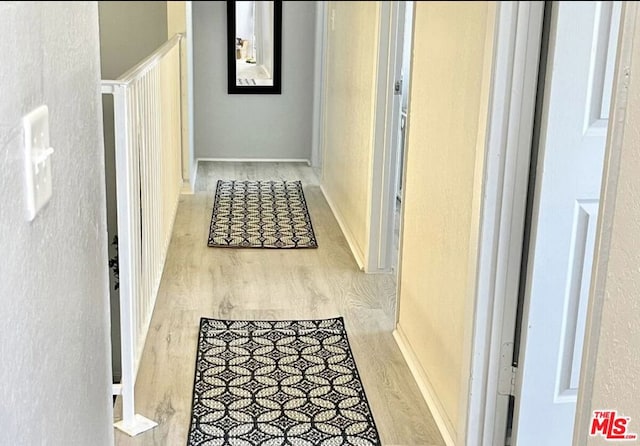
x=260, y=214
x=278, y=383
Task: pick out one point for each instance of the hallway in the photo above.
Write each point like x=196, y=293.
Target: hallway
x=256, y=284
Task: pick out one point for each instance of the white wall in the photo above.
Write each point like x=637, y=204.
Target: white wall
x=54, y=336
x=245, y=21
x=450, y=78
x=406, y=54
x=253, y=126
x=349, y=111
x=264, y=27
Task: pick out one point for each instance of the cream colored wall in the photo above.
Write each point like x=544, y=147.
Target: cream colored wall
x=177, y=23
x=176, y=18
x=447, y=121
x=349, y=111
x=616, y=376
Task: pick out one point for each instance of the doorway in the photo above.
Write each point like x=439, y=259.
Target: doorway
x=587, y=51
x=393, y=68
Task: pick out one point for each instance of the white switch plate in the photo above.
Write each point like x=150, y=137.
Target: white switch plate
x=37, y=159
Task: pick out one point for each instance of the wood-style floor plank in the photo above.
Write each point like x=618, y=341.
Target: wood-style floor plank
x=256, y=284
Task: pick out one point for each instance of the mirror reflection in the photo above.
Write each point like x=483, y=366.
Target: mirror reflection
x=254, y=43
x=254, y=32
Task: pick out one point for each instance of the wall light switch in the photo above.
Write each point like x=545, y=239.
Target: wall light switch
x=37, y=159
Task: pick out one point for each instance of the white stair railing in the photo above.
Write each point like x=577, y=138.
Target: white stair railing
x=148, y=183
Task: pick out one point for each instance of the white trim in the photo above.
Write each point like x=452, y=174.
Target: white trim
x=403, y=177
x=613, y=158
x=255, y=160
x=482, y=150
x=186, y=189
x=506, y=174
x=357, y=254
x=193, y=163
x=318, y=84
x=426, y=388
x=194, y=176
x=385, y=156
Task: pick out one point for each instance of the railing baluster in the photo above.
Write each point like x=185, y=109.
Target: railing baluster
x=149, y=180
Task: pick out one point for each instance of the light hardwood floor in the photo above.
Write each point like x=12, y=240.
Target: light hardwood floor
x=199, y=281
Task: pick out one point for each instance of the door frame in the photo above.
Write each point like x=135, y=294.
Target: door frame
x=193, y=165
x=319, y=88
x=379, y=257
x=516, y=62
x=516, y=65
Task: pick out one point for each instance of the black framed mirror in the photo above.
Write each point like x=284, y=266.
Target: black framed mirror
x=254, y=47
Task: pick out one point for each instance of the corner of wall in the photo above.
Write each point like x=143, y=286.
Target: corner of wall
x=441, y=205
x=349, y=126
x=482, y=143
x=358, y=255
x=427, y=390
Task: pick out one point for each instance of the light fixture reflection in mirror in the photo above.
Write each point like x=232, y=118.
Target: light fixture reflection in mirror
x=254, y=46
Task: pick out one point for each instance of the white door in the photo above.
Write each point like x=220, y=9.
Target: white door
x=578, y=84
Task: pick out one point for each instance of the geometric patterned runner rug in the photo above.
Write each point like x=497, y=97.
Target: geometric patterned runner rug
x=260, y=214
x=278, y=383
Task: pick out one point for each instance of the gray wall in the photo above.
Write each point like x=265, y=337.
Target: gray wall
x=129, y=32
x=54, y=335
x=253, y=126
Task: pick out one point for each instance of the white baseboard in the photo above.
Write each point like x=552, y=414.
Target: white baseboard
x=186, y=188
x=194, y=177
x=256, y=160
x=357, y=254
x=433, y=402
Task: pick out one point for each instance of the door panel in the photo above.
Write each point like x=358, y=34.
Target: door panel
x=583, y=40
x=583, y=239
